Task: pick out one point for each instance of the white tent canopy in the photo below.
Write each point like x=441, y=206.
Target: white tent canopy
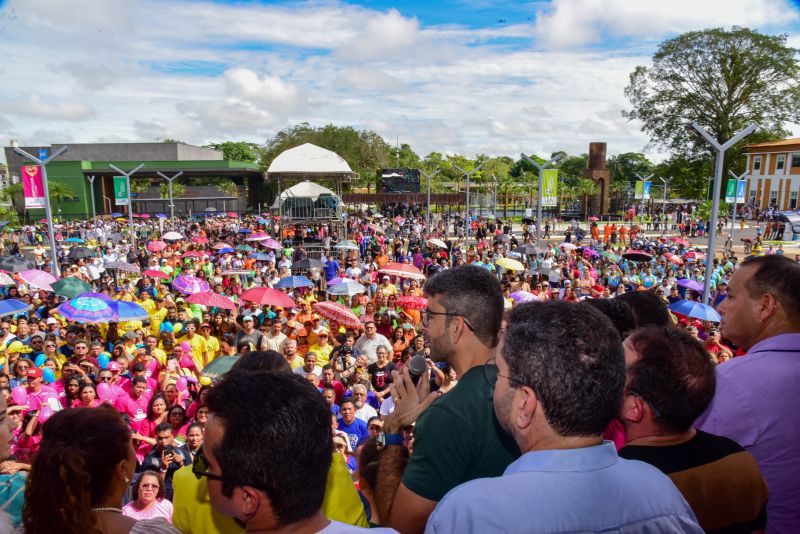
x=306, y=189
x=308, y=159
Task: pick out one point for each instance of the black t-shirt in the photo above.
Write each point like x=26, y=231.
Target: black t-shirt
x=381, y=377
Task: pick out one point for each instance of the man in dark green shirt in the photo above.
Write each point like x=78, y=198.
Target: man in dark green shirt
x=457, y=437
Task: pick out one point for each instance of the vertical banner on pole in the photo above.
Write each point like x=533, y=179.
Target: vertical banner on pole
x=638, y=192
x=646, y=191
x=120, y=191
x=735, y=190
x=741, y=189
x=550, y=187
x=33, y=187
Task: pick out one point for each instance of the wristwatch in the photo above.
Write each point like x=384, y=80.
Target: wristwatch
x=384, y=440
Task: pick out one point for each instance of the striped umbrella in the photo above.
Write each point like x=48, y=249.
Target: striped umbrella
x=267, y=296
x=101, y=296
x=257, y=236
x=86, y=310
x=189, y=284
x=211, y=300
x=333, y=311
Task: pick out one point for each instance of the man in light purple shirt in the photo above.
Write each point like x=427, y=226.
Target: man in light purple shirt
x=757, y=395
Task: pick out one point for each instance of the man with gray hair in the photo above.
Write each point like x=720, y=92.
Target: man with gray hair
x=363, y=410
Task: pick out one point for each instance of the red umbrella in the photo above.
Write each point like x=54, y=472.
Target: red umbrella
x=155, y=274
x=403, y=270
x=192, y=254
x=268, y=296
x=413, y=302
x=156, y=246
x=232, y=215
x=694, y=255
x=211, y=299
x=339, y=313
x=200, y=239
x=672, y=258
x=679, y=241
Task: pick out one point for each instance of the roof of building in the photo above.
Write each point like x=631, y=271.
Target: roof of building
x=776, y=144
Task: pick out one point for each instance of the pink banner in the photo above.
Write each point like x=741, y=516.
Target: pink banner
x=33, y=187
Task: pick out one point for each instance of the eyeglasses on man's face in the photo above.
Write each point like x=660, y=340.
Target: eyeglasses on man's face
x=200, y=467
x=426, y=313
x=491, y=373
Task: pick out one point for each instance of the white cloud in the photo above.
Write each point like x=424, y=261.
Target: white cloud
x=38, y=107
x=568, y=23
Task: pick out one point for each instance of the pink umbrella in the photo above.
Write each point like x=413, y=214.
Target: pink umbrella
x=145, y=215
x=257, y=236
x=37, y=278
x=268, y=296
x=152, y=273
x=192, y=254
x=271, y=243
x=156, y=246
x=333, y=311
x=220, y=245
x=212, y=300
x=200, y=239
x=189, y=284
x=403, y=270
x=232, y=215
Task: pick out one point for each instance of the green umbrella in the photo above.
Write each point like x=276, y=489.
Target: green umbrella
x=70, y=287
x=245, y=248
x=609, y=255
x=218, y=367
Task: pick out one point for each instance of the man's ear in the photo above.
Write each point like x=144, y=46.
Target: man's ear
x=633, y=409
x=526, y=402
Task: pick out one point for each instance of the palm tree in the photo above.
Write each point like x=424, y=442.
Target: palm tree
x=12, y=194
x=177, y=190
x=140, y=185
x=59, y=191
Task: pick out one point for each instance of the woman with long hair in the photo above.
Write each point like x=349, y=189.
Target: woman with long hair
x=72, y=391
x=88, y=396
x=194, y=439
x=85, y=465
x=149, y=499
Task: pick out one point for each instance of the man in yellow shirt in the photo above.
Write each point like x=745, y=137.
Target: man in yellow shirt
x=387, y=287
x=211, y=341
x=198, y=345
x=145, y=301
x=322, y=348
x=158, y=315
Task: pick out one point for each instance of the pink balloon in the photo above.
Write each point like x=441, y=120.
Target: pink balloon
x=20, y=395
x=187, y=362
x=181, y=383
x=45, y=412
x=104, y=391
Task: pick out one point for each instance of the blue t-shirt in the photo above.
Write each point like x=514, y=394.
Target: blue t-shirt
x=355, y=431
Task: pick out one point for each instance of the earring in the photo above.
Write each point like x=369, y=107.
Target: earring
x=126, y=479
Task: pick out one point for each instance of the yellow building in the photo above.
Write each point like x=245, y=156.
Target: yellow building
x=774, y=174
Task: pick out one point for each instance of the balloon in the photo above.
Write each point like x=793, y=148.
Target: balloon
x=48, y=375
x=181, y=384
x=103, y=361
x=104, y=391
x=205, y=381
x=20, y=395
x=191, y=379
x=45, y=412
x=187, y=362
x=40, y=359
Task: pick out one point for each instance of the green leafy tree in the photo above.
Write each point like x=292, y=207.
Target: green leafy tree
x=140, y=185
x=59, y=191
x=721, y=79
x=13, y=193
x=238, y=150
x=228, y=188
x=624, y=168
x=178, y=189
x=404, y=157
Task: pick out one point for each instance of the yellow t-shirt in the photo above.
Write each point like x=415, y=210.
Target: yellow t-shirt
x=147, y=304
x=199, y=350
x=213, y=347
x=193, y=512
x=156, y=318
x=323, y=353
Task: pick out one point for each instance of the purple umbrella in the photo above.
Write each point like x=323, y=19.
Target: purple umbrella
x=521, y=297
x=189, y=284
x=101, y=296
x=690, y=284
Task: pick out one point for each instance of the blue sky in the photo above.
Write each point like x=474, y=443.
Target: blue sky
x=494, y=77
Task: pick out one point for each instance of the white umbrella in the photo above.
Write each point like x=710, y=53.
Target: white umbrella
x=346, y=245
x=348, y=287
x=567, y=246
x=438, y=242
x=172, y=236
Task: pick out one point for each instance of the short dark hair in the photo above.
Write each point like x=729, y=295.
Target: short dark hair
x=674, y=373
x=572, y=357
x=266, y=360
x=475, y=294
x=618, y=311
x=777, y=275
x=648, y=308
x=163, y=427
x=277, y=439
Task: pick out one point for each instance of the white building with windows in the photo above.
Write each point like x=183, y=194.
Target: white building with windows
x=774, y=174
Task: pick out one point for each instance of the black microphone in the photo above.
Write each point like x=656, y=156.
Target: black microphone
x=416, y=367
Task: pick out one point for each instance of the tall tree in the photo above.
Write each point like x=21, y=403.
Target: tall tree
x=238, y=150
x=721, y=79
x=59, y=191
x=624, y=167
x=13, y=193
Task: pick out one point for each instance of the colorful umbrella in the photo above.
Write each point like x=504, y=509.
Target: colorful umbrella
x=211, y=300
x=690, y=284
x=172, y=236
x=511, y=265
x=403, y=270
x=70, y=287
x=347, y=287
x=15, y=264
x=412, y=302
x=259, y=256
x=86, y=310
x=567, y=246
x=245, y=231
x=9, y=306
x=145, y=215
x=267, y=296
x=156, y=246
x=220, y=244
x=123, y=266
x=521, y=297
x=333, y=311
x=257, y=236
x=271, y=243
x=696, y=310
x=37, y=278
x=101, y=296
x=336, y=281
x=225, y=250
x=294, y=281
x=127, y=311
x=192, y=254
x=152, y=273
x=189, y=284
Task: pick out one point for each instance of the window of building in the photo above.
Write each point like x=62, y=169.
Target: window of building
x=795, y=160
x=781, y=161
x=757, y=162
x=753, y=197
x=793, y=200
x=773, y=198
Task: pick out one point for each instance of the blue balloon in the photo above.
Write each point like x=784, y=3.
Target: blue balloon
x=40, y=359
x=103, y=361
x=48, y=375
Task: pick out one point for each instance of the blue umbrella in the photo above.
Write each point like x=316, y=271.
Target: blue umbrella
x=259, y=256
x=696, y=310
x=127, y=311
x=225, y=250
x=245, y=231
x=116, y=214
x=161, y=216
x=9, y=306
x=74, y=240
x=294, y=281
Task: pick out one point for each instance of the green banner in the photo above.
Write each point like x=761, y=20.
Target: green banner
x=550, y=187
x=121, y=196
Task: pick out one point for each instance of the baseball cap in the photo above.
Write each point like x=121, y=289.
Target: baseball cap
x=51, y=320
x=114, y=366
x=34, y=372
x=247, y=318
x=302, y=333
x=130, y=335
x=385, y=277
x=323, y=332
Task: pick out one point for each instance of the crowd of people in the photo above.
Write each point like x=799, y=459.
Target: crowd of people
x=235, y=373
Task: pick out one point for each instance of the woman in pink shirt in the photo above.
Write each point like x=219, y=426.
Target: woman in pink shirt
x=87, y=397
x=150, y=502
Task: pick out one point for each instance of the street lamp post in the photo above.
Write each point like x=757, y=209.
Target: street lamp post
x=735, y=199
x=47, y=209
x=664, y=204
x=429, y=177
x=91, y=185
x=127, y=176
x=720, y=160
x=551, y=161
x=171, y=203
x=469, y=175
